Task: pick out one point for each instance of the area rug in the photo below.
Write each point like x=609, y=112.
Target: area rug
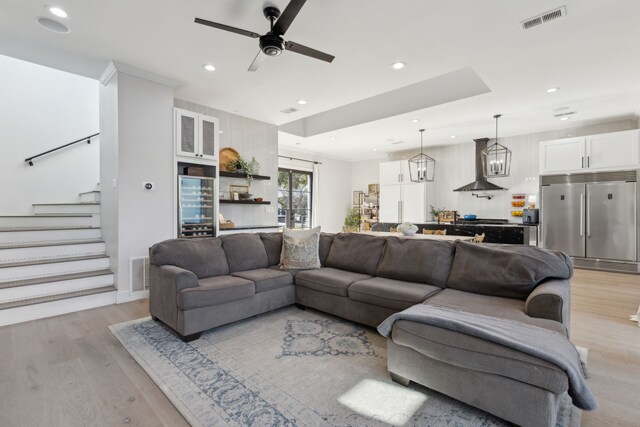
x=292, y=368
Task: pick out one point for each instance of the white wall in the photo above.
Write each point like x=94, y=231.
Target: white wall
x=455, y=168
x=250, y=138
x=335, y=187
x=40, y=109
x=138, y=147
x=365, y=173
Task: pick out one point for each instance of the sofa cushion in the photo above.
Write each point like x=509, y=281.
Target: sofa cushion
x=214, y=291
x=329, y=280
x=477, y=354
x=390, y=293
x=273, y=246
x=423, y=261
x=356, y=252
x=266, y=279
x=245, y=251
x=326, y=240
x=508, y=308
x=293, y=273
x=511, y=271
x=203, y=257
x=300, y=249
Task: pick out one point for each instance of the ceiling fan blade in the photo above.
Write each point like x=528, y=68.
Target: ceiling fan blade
x=257, y=61
x=303, y=50
x=227, y=28
x=287, y=17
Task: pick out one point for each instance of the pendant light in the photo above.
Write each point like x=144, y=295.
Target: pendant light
x=422, y=167
x=496, y=158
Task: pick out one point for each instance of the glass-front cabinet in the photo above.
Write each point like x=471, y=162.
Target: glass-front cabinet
x=196, y=206
x=196, y=136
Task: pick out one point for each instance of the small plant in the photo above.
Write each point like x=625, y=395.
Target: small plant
x=352, y=220
x=435, y=212
x=241, y=164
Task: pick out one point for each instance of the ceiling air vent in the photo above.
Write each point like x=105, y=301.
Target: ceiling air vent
x=569, y=113
x=289, y=110
x=545, y=17
x=397, y=142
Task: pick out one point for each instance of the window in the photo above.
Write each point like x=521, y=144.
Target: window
x=294, y=198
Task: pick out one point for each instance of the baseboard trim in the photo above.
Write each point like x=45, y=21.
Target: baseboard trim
x=126, y=296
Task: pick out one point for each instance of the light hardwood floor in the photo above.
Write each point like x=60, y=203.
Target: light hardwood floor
x=71, y=371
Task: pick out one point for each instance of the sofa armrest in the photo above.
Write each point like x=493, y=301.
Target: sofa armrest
x=165, y=282
x=550, y=300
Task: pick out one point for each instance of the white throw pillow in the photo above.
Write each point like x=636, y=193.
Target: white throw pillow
x=300, y=249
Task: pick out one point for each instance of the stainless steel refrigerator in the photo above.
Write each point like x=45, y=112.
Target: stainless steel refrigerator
x=593, y=218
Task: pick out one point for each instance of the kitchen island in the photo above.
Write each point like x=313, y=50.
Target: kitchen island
x=519, y=234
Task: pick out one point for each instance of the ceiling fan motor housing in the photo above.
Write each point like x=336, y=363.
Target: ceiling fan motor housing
x=271, y=44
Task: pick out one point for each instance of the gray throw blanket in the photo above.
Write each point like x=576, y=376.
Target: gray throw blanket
x=545, y=344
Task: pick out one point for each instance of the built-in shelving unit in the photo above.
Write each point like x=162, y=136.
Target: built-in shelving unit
x=227, y=174
x=245, y=202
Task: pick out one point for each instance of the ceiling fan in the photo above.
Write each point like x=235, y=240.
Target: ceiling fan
x=272, y=43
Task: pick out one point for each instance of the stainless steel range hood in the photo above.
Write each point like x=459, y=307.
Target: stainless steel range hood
x=481, y=183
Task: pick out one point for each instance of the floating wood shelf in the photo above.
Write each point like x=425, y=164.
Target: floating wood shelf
x=242, y=175
x=245, y=202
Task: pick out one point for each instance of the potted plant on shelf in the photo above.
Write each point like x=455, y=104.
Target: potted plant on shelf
x=241, y=165
x=352, y=221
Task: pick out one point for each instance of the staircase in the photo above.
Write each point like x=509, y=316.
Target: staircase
x=54, y=261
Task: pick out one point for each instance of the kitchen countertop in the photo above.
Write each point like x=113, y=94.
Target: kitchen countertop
x=418, y=236
x=494, y=233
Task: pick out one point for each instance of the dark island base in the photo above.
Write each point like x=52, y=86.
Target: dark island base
x=508, y=233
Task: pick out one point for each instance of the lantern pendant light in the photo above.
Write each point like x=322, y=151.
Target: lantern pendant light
x=422, y=167
x=496, y=158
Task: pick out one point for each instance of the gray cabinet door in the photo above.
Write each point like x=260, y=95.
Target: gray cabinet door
x=563, y=218
x=611, y=221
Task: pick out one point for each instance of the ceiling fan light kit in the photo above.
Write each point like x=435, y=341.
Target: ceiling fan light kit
x=272, y=43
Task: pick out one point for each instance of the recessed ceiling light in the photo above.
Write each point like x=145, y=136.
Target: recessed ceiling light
x=333, y=138
x=415, y=120
x=453, y=136
x=59, y=12
x=220, y=131
x=564, y=118
x=398, y=65
x=375, y=149
x=51, y=25
x=552, y=89
x=209, y=67
x=302, y=101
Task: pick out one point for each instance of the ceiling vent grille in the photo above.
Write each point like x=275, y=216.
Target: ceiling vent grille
x=289, y=110
x=568, y=113
x=545, y=17
x=397, y=142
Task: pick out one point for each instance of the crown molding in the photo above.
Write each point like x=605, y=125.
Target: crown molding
x=118, y=67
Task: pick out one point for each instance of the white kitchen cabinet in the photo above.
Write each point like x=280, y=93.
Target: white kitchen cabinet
x=196, y=135
x=396, y=172
x=607, y=151
x=403, y=202
x=611, y=150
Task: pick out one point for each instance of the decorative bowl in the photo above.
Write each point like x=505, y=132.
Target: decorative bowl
x=407, y=228
x=258, y=199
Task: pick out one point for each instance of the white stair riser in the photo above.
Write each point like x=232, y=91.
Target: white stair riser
x=54, y=288
x=90, y=197
x=40, y=221
x=8, y=274
x=65, y=209
x=48, y=252
x=48, y=235
x=31, y=312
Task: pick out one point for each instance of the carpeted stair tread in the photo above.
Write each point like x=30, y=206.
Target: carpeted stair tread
x=52, y=260
x=58, y=278
x=50, y=243
x=50, y=298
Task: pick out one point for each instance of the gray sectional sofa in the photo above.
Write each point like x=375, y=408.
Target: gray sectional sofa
x=204, y=283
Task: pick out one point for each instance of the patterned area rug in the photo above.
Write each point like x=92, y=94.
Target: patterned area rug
x=291, y=368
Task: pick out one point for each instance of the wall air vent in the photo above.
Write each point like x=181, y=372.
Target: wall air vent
x=138, y=274
x=568, y=113
x=289, y=110
x=545, y=17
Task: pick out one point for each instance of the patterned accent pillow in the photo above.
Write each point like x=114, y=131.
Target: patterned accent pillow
x=300, y=249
